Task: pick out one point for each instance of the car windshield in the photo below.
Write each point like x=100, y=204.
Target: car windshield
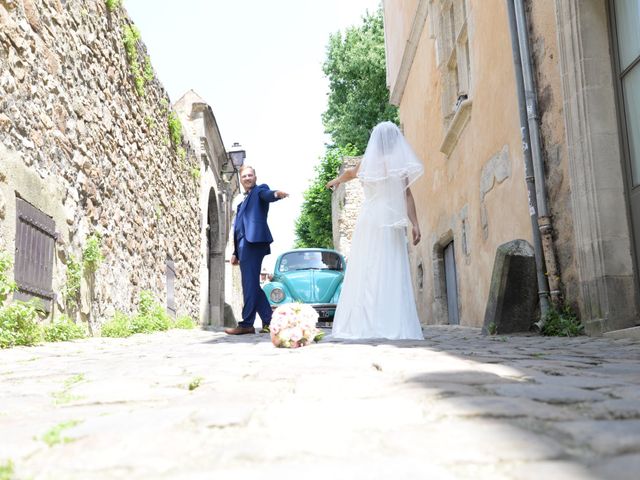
x=310, y=260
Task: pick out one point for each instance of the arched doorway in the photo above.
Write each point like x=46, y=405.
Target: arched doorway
x=215, y=262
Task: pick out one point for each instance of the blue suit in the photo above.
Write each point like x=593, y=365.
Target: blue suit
x=252, y=239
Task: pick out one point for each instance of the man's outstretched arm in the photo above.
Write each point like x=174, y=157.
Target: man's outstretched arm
x=267, y=195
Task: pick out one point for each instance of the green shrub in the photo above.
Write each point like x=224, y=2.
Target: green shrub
x=6, y=286
x=182, y=153
x=164, y=105
x=175, y=129
x=6, y=470
x=130, y=37
x=71, y=290
x=63, y=330
x=119, y=326
x=148, y=69
x=113, y=4
x=19, y=325
x=92, y=254
x=151, y=316
x=562, y=323
x=184, y=322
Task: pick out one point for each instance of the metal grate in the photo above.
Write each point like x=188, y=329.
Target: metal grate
x=171, y=286
x=35, y=244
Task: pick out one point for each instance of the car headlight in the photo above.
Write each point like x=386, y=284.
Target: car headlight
x=277, y=295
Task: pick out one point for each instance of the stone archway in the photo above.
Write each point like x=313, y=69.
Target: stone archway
x=215, y=262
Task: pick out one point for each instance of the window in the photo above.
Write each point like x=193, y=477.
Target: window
x=627, y=17
x=310, y=260
x=626, y=39
x=35, y=244
x=453, y=59
x=453, y=56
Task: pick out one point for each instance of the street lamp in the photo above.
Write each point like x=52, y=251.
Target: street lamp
x=237, y=154
x=235, y=159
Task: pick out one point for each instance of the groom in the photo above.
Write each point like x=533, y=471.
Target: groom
x=251, y=240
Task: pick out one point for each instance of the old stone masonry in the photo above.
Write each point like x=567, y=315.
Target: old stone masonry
x=90, y=143
x=201, y=405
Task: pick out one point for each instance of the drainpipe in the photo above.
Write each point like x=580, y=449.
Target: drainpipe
x=529, y=171
x=544, y=218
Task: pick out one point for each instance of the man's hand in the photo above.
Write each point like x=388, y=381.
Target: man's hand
x=415, y=230
x=281, y=194
x=234, y=260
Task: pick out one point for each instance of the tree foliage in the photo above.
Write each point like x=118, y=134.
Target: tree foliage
x=313, y=226
x=358, y=94
x=358, y=100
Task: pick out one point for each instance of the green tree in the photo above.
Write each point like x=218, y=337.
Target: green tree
x=358, y=100
x=358, y=94
x=313, y=226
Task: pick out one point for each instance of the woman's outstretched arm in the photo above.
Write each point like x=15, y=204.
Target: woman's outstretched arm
x=348, y=174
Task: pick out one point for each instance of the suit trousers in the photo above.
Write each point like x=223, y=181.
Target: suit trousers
x=255, y=300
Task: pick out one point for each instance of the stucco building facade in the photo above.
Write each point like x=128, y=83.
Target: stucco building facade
x=450, y=69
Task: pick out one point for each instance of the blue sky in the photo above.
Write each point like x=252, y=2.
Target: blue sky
x=259, y=65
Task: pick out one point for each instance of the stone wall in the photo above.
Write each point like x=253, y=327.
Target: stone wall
x=79, y=142
x=346, y=201
x=472, y=197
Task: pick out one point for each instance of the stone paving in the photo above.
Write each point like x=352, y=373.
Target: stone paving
x=201, y=405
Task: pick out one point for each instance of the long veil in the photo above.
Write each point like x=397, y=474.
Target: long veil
x=388, y=167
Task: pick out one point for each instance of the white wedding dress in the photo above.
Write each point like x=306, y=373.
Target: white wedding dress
x=377, y=298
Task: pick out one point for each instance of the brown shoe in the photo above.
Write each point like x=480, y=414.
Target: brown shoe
x=239, y=330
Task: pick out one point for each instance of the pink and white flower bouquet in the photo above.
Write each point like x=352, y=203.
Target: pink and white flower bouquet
x=293, y=325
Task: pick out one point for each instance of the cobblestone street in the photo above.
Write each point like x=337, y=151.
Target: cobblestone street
x=201, y=405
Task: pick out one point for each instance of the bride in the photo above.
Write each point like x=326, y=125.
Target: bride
x=377, y=295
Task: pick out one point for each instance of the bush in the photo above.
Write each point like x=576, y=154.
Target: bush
x=185, y=322
x=18, y=324
x=6, y=286
x=119, y=326
x=151, y=315
x=92, y=254
x=154, y=322
x=6, y=470
x=562, y=323
x=63, y=330
x=71, y=290
x=175, y=129
x=112, y=4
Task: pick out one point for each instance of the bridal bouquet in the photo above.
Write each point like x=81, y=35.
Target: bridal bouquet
x=293, y=325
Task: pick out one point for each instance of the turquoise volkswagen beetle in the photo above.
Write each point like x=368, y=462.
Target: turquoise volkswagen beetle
x=308, y=275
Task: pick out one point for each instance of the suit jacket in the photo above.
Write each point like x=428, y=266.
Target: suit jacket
x=251, y=218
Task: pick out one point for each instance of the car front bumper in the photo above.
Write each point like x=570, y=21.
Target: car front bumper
x=326, y=311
